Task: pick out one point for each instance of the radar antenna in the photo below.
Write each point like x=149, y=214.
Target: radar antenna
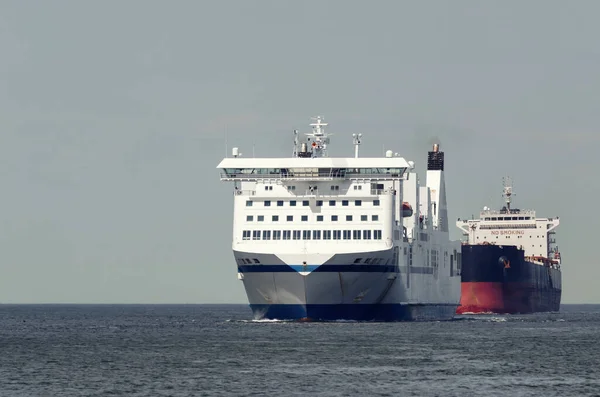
x=318, y=137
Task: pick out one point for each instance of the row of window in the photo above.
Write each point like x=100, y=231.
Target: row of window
x=508, y=218
x=306, y=203
x=311, y=235
x=304, y=218
x=372, y=261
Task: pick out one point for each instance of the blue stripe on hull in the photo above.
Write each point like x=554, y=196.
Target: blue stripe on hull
x=317, y=268
x=356, y=312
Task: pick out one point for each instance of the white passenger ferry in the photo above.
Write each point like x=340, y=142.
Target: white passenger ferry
x=322, y=238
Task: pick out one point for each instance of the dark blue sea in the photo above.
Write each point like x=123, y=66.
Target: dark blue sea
x=217, y=350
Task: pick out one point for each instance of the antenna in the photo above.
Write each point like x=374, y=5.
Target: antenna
x=507, y=192
x=318, y=137
x=295, y=151
x=226, y=148
x=356, y=139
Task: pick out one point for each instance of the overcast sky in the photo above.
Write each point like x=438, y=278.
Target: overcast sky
x=113, y=116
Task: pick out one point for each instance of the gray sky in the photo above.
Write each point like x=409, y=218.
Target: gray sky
x=113, y=116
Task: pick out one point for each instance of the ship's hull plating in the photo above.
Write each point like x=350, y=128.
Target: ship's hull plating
x=498, y=279
x=337, y=291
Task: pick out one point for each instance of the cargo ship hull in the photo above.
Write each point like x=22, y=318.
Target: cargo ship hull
x=499, y=279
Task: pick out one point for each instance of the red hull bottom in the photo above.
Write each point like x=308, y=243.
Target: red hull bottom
x=492, y=297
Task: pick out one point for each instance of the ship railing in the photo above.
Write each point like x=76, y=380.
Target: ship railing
x=508, y=226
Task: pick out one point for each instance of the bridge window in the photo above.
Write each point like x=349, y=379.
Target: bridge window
x=334, y=218
x=267, y=203
x=260, y=218
x=356, y=234
x=249, y=218
x=290, y=218
x=292, y=203
x=319, y=218
x=366, y=234
x=347, y=235
x=332, y=203
x=276, y=234
x=344, y=203
x=376, y=203
x=306, y=234
x=319, y=203
x=304, y=218
x=266, y=235
x=280, y=203
x=337, y=234
x=256, y=235
x=296, y=235
x=287, y=234
x=348, y=217
x=374, y=217
x=326, y=234
x=248, y=203
x=305, y=203
x=364, y=218
x=246, y=235
x=358, y=203
x=275, y=218
x=316, y=234
x=376, y=234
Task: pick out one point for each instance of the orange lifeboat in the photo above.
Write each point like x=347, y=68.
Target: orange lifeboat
x=406, y=210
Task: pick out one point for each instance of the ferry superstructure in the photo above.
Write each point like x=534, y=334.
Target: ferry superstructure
x=511, y=263
x=322, y=238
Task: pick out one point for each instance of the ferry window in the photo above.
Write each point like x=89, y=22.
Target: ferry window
x=305, y=203
x=366, y=234
x=304, y=218
x=332, y=203
x=374, y=217
x=292, y=203
x=291, y=187
x=326, y=234
x=319, y=218
x=256, y=260
x=280, y=203
x=334, y=218
x=337, y=234
x=527, y=218
x=248, y=203
x=249, y=218
x=347, y=235
x=246, y=235
x=344, y=203
x=348, y=217
x=376, y=203
x=286, y=235
x=316, y=234
x=290, y=218
x=306, y=235
x=521, y=218
x=356, y=234
x=319, y=203
x=364, y=218
x=332, y=187
x=296, y=234
x=276, y=234
x=275, y=218
x=359, y=187
x=357, y=260
x=260, y=218
x=368, y=260
x=266, y=235
x=358, y=203
x=494, y=219
x=256, y=235
x=267, y=203
x=376, y=234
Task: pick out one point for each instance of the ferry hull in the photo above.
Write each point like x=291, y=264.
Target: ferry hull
x=498, y=279
x=340, y=291
x=355, y=312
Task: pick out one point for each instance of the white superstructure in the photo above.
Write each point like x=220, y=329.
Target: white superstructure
x=514, y=227
x=342, y=238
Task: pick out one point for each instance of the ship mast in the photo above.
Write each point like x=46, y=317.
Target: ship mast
x=507, y=192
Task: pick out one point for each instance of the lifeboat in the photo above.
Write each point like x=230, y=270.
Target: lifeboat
x=406, y=210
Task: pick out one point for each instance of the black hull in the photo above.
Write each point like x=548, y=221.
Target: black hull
x=498, y=279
